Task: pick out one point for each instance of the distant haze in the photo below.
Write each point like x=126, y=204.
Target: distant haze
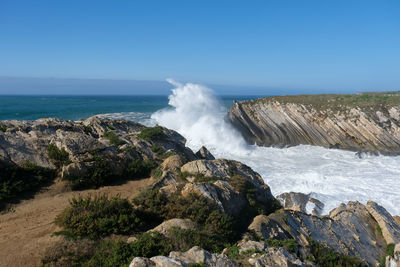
x=61, y=86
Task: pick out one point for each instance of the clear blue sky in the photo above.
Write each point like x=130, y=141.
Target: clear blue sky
x=318, y=45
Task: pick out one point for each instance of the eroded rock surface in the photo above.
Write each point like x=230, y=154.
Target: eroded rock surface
x=323, y=120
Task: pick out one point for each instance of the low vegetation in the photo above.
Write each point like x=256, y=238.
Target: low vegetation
x=113, y=138
x=59, y=156
x=140, y=168
x=152, y=133
x=3, y=128
x=337, y=102
x=324, y=256
x=100, y=173
x=99, y=216
x=15, y=180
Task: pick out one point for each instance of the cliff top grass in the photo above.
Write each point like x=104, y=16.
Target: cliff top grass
x=370, y=100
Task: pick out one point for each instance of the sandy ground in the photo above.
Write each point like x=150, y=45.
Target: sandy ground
x=26, y=232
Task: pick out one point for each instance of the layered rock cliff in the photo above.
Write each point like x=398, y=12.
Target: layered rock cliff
x=362, y=122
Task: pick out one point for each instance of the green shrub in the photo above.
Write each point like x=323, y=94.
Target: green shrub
x=88, y=129
x=324, y=256
x=88, y=253
x=60, y=156
x=289, y=244
x=158, y=173
x=15, y=180
x=113, y=138
x=157, y=149
x=216, y=229
x=99, y=174
x=3, y=128
x=390, y=249
x=233, y=251
x=140, y=168
x=151, y=244
x=152, y=133
x=99, y=216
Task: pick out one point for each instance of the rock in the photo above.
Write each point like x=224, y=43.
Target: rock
x=301, y=202
x=164, y=227
x=195, y=255
x=275, y=258
x=203, y=153
x=266, y=228
x=229, y=177
x=172, y=163
x=349, y=229
x=198, y=255
x=390, y=229
x=250, y=245
x=397, y=219
x=131, y=239
x=319, y=120
x=163, y=261
x=28, y=141
x=142, y=262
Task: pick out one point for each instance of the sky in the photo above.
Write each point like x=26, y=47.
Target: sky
x=299, y=45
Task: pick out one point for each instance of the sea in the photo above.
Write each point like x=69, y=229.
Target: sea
x=333, y=176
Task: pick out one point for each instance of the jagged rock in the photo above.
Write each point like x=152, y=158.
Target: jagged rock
x=164, y=227
x=349, y=229
x=227, y=173
x=198, y=255
x=397, y=219
x=319, y=120
x=28, y=141
x=266, y=228
x=172, y=163
x=390, y=229
x=275, y=257
x=301, y=202
x=203, y=153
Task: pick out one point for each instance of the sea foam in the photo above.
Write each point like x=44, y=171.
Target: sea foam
x=333, y=176
x=330, y=175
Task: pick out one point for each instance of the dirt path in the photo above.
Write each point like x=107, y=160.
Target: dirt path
x=27, y=232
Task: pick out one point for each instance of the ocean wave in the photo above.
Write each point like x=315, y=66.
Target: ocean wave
x=330, y=175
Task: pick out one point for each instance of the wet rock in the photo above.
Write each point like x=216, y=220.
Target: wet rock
x=301, y=202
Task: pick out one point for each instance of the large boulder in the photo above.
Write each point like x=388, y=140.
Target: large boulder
x=228, y=183
x=166, y=226
x=203, y=153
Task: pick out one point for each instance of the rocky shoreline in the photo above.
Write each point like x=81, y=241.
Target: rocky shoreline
x=368, y=122
x=199, y=210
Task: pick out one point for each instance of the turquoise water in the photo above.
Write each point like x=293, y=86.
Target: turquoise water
x=81, y=107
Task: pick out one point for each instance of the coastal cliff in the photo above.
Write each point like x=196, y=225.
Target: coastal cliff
x=367, y=122
x=103, y=192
